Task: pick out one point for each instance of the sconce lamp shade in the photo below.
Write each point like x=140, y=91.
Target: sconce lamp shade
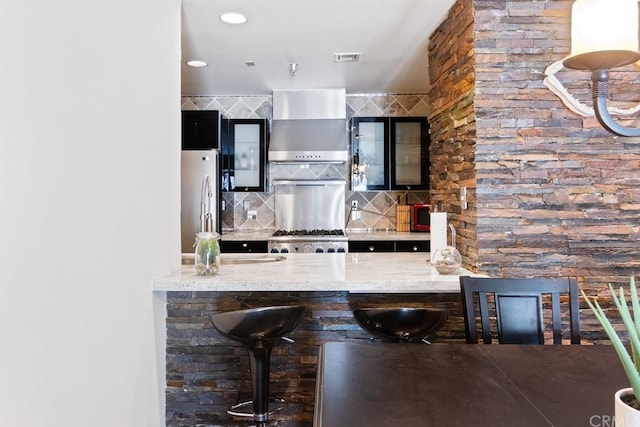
x=604, y=34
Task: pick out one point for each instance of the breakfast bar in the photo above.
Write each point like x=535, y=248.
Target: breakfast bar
x=206, y=372
x=350, y=272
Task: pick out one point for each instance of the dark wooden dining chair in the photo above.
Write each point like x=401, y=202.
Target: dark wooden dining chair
x=516, y=308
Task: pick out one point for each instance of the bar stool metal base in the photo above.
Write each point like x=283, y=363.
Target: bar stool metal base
x=245, y=409
x=258, y=330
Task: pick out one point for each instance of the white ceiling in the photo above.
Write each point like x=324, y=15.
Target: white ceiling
x=392, y=37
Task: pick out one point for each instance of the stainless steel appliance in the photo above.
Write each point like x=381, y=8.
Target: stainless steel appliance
x=309, y=216
x=308, y=241
x=309, y=126
x=199, y=194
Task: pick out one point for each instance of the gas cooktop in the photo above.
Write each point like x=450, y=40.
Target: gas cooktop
x=318, y=241
x=309, y=233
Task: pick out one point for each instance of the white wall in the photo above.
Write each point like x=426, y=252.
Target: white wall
x=89, y=208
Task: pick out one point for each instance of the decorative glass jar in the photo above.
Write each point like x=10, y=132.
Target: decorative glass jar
x=447, y=260
x=207, y=254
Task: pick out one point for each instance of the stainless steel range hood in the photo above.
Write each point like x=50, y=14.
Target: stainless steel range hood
x=309, y=126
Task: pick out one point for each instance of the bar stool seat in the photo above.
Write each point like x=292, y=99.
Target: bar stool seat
x=258, y=329
x=401, y=324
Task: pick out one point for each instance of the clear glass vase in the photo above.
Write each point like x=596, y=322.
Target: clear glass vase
x=447, y=260
x=207, y=253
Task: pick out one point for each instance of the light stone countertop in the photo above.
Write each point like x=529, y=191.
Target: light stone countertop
x=386, y=235
x=359, y=234
x=389, y=272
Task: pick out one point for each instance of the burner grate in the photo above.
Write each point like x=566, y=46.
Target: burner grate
x=335, y=232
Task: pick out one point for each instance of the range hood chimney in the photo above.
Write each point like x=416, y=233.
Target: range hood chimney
x=309, y=126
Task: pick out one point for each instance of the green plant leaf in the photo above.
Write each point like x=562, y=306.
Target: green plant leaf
x=636, y=314
x=627, y=318
x=628, y=364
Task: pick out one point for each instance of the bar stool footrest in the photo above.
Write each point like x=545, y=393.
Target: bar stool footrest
x=245, y=409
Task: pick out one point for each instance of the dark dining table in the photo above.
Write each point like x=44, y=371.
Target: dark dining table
x=385, y=384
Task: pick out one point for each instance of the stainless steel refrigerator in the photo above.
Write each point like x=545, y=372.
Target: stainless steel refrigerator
x=195, y=166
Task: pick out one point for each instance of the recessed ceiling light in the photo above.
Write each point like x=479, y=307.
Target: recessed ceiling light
x=233, y=18
x=196, y=63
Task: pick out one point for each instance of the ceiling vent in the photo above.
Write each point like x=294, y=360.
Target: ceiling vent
x=346, y=57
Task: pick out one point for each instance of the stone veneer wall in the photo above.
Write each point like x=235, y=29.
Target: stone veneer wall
x=550, y=193
x=453, y=127
x=556, y=195
x=378, y=206
x=207, y=372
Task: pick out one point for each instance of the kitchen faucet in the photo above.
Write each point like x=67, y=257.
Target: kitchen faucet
x=206, y=221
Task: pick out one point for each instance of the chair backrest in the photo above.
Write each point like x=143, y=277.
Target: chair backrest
x=518, y=305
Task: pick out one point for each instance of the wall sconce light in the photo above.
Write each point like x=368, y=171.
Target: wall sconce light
x=604, y=35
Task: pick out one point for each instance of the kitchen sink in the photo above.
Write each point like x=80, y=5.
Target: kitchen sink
x=188, y=259
x=250, y=258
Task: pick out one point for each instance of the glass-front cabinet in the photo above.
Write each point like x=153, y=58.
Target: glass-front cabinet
x=409, y=153
x=370, y=147
x=389, y=153
x=244, y=155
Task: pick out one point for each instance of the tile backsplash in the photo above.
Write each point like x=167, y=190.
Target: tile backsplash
x=378, y=208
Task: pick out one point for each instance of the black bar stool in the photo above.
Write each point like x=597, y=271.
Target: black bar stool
x=401, y=324
x=258, y=329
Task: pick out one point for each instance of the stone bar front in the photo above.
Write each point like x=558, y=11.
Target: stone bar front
x=207, y=372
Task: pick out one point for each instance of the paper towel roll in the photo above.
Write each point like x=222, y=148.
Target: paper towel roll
x=438, y=227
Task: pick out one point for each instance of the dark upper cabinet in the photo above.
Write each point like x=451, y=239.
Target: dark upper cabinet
x=409, y=139
x=370, y=153
x=201, y=130
x=390, y=153
x=244, y=146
